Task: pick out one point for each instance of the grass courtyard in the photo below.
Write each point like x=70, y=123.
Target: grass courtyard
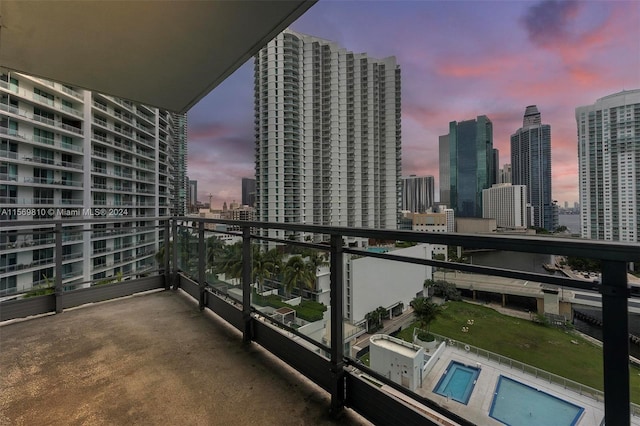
x=543, y=347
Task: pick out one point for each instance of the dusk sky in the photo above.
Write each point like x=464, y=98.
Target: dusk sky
x=458, y=59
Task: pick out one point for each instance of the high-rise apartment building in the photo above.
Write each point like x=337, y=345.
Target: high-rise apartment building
x=505, y=174
x=192, y=196
x=417, y=193
x=444, y=172
x=609, y=167
x=67, y=152
x=248, y=192
x=180, y=180
x=327, y=125
x=531, y=166
x=507, y=204
x=471, y=164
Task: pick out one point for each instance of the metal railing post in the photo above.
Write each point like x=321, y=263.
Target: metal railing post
x=247, y=266
x=337, y=329
x=58, y=268
x=615, y=342
x=165, y=261
x=174, y=254
x=202, y=281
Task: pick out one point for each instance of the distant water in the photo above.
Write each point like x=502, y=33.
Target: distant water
x=571, y=221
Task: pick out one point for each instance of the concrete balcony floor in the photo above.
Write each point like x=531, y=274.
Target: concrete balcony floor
x=148, y=359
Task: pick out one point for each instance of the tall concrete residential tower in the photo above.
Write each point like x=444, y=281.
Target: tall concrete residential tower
x=417, y=193
x=471, y=167
x=68, y=152
x=609, y=167
x=327, y=128
x=531, y=166
x=180, y=179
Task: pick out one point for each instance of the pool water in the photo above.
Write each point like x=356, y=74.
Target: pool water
x=457, y=382
x=517, y=404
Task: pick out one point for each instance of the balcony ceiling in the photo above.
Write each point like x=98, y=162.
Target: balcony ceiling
x=167, y=54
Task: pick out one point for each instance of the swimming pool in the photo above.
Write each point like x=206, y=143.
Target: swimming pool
x=517, y=404
x=457, y=382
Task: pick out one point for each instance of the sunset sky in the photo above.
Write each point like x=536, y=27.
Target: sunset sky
x=459, y=59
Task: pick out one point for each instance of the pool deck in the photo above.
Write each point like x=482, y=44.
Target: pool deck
x=479, y=405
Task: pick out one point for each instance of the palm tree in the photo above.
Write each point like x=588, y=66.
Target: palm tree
x=425, y=311
x=230, y=261
x=264, y=265
x=297, y=274
x=317, y=260
x=214, y=249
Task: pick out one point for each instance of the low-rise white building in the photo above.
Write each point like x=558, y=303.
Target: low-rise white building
x=371, y=283
x=397, y=360
x=507, y=204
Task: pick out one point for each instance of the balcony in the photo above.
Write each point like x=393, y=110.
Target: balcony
x=145, y=348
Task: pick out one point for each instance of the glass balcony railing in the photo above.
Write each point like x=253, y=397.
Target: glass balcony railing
x=308, y=294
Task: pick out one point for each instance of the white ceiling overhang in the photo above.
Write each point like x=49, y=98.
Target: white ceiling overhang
x=168, y=54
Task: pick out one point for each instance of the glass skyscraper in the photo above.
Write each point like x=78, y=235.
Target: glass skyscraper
x=531, y=166
x=471, y=157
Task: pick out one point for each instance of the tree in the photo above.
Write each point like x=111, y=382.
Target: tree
x=230, y=261
x=214, y=249
x=425, y=311
x=444, y=289
x=297, y=274
x=561, y=229
x=265, y=265
x=374, y=322
x=316, y=260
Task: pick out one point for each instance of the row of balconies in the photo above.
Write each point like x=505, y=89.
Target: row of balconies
x=57, y=124
x=41, y=100
x=39, y=139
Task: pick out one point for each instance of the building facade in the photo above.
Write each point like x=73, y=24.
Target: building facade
x=371, y=282
x=417, y=193
x=471, y=164
x=507, y=204
x=67, y=152
x=505, y=174
x=531, y=166
x=248, y=192
x=444, y=172
x=609, y=167
x=180, y=180
x=327, y=129
x=192, y=196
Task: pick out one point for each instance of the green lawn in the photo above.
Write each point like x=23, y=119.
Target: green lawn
x=547, y=348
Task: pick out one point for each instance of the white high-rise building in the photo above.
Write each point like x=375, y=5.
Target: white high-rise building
x=609, y=167
x=67, y=152
x=507, y=204
x=327, y=126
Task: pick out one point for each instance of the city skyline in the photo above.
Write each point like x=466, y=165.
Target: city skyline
x=577, y=52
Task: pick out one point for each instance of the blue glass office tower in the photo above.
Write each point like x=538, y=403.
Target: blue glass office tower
x=472, y=166
x=531, y=166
